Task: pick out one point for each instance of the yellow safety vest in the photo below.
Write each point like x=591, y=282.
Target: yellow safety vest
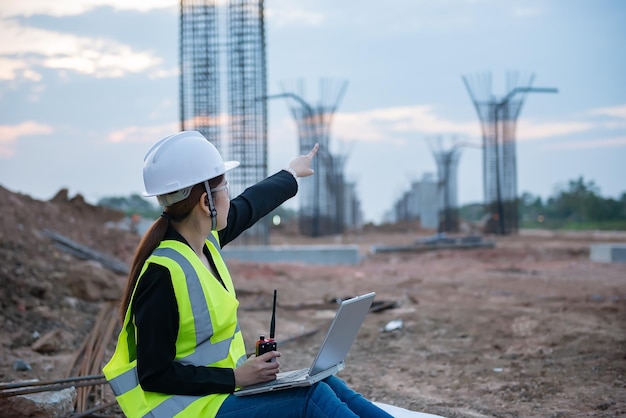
x=208, y=334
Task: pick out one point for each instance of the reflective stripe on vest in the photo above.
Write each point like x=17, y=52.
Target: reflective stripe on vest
x=217, y=246
x=125, y=382
x=172, y=406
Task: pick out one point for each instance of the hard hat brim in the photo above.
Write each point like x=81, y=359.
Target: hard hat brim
x=229, y=165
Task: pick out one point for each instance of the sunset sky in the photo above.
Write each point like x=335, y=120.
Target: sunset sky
x=86, y=87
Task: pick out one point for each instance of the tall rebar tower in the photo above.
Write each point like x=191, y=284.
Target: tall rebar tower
x=199, y=60
x=223, y=72
x=247, y=73
x=498, y=120
x=447, y=167
x=321, y=199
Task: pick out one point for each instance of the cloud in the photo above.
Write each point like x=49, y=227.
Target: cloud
x=24, y=50
x=613, y=111
x=529, y=130
x=10, y=134
x=523, y=12
x=397, y=124
x=621, y=124
x=145, y=134
x=76, y=7
x=287, y=14
x=590, y=144
x=11, y=67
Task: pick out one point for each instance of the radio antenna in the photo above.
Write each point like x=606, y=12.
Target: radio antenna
x=273, y=321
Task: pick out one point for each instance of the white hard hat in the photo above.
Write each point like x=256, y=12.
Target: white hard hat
x=176, y=163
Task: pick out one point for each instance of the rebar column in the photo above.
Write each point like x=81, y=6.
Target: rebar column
x=321, y=200
x=498, y=120
x=247, y=73
x=199, y=88
x=447, y=166
x=222, y=72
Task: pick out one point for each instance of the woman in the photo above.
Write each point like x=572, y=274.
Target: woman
x=180, y=351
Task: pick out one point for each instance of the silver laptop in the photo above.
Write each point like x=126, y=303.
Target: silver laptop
x=332, y=353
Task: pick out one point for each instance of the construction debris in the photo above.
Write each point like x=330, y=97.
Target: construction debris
x=85, y=253
x=393, y=325
x=437, y=242
x=44, y=404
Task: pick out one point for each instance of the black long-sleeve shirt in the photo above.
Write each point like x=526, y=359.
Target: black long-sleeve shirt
x=156, y=312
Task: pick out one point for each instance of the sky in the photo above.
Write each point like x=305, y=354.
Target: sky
x=86, y=87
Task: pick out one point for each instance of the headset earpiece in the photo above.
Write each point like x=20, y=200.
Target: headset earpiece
x=211, y=205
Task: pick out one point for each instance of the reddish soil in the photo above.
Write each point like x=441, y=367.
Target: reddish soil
x=529, y=328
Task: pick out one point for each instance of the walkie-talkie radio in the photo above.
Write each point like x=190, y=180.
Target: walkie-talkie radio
x=264, y=345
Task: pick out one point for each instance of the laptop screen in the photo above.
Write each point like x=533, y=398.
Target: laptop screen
x=342, y=332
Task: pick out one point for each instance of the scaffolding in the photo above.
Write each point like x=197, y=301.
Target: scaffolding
x=223, y=69
x=323, y=204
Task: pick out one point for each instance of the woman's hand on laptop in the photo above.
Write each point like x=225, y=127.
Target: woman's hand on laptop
x=258, y=369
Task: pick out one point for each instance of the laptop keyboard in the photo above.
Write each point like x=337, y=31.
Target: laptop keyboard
x=289, y=376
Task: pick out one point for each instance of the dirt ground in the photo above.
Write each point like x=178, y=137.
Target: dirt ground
x=529, y=328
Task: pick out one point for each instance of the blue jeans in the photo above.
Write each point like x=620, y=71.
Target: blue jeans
x=328, y=398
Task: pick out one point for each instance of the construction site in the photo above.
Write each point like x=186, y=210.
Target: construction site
x=470, y=319
x=530, y=327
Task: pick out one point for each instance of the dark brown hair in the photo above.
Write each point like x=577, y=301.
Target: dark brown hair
x=155, y=234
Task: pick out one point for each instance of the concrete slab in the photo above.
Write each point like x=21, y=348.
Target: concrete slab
x=398, y=412
x=608, y=252
x=306, y=254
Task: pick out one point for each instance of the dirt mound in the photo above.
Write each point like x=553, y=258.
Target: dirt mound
x=44, y=289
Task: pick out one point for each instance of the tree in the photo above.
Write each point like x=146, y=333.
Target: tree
x=130, y=205
x=578, y=203
x=530, y=207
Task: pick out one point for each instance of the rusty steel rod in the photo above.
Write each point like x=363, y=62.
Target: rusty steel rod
x=17, y=385
x=50, y=386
